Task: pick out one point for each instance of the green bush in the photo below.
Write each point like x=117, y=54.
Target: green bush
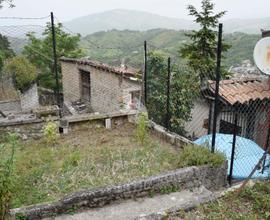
x=22, y=72
x=194, y=155
x=6, y=170
x=142, y=128
x=50, y=132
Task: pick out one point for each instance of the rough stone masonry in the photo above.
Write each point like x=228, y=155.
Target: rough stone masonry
x=187, y=178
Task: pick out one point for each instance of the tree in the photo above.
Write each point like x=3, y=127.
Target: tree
x=5, y=53
x=5, y=47
x=22, y=72
x=40, y=53
x=184, y=91
x=5, y=50
x=201, y=52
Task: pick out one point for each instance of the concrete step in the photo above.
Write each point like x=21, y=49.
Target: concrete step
x=145, y=208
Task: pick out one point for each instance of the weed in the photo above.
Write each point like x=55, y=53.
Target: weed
x=142, y=128
x=6, y=172
x=169, y=189
x=50, y=131
x=151, y=193
x=20, y=216
x=71, y=211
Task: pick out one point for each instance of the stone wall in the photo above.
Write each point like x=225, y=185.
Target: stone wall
x=47, y=97
x=80, y=122
x=29, y=99
x=172, y=138
x=107, y=89
x=28, y=129
x=10, y=106
x=187, y=178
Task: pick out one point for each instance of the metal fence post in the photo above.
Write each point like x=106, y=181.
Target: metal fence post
x=216, y=108
x=145, y=73
x=210, y=117
x=168, y=114
x=55, y=64
x=266, y=145
x=233, y=145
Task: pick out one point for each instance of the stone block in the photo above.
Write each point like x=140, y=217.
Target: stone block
x=108, y=123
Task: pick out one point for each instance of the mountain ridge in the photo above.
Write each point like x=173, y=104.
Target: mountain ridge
x=113, y=46
x=126, y=19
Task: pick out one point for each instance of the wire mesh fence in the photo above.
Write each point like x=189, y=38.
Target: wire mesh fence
x=235, y=120
x=37, y=77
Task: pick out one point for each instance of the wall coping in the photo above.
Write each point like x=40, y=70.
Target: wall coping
x=9, y=100
x=25, y=122
x=90, y=117
x=171, y=137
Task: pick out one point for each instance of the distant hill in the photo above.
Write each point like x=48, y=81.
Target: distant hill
x=114, y=46
x=121, y=19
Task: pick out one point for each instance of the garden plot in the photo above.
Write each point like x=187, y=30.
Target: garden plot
x=93, y=158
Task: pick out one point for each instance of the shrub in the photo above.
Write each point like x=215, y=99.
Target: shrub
x=194, y=155
x=6, y=169
x=142, y=128
x=22, y=72
x=50, y=131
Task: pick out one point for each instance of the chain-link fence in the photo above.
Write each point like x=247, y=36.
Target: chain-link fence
x=45, y=71
x=227, y=114
x=49, y=73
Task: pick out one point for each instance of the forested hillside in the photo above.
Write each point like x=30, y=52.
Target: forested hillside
x=114, y=46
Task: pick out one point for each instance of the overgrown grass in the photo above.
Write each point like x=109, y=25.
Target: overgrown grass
x=93, y=158
x=252, y=203
x=193, y=155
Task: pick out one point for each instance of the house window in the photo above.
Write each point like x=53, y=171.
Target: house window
x=228, y=128
x=85, y=86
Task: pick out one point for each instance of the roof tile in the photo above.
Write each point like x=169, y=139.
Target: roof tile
x=243, y=90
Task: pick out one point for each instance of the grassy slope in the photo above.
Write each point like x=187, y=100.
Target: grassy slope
x=251, y=203
x=45, y=173
x=166, y=41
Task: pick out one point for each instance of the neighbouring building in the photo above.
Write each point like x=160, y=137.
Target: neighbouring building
x=248, y=99
x=93, y=87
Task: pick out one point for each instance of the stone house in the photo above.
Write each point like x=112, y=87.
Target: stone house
x=100, y=87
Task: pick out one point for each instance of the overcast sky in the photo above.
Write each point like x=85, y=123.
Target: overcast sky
x=69, y=9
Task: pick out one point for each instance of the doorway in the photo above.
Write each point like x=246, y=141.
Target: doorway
x=85, y=86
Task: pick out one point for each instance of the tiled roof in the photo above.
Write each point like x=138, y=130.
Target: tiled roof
x=242, y=90
x=128, y=71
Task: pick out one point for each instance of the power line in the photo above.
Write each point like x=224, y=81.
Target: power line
x=21, y=26
x=22, y=18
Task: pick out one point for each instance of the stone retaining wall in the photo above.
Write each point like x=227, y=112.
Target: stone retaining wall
x=31, y=129
x=168, y=136
x=187, y=178
x=9, y=106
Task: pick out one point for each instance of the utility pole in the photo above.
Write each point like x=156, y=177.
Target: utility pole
x=57, y=92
